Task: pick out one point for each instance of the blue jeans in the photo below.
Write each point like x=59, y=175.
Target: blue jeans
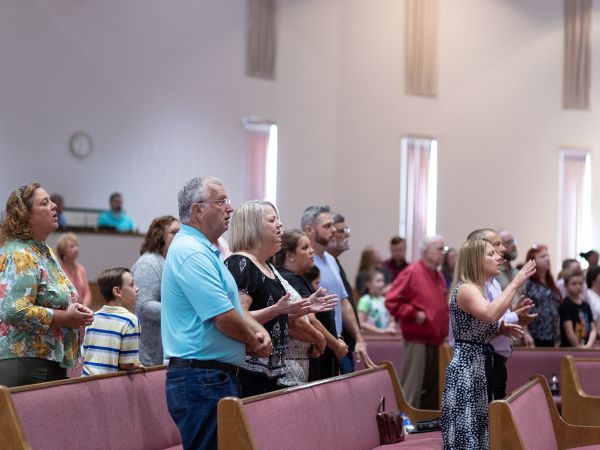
x=192, y=397
x=347, y=363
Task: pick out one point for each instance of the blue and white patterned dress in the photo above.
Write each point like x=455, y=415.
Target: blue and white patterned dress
x=464, y=418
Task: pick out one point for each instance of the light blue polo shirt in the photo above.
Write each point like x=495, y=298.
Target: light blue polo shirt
x=332, y=281
x=196, y=286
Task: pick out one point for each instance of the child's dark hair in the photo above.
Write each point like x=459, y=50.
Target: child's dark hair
x=110, y=278
x=312, y=274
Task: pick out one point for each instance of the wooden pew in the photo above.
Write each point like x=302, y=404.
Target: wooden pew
x=336, y=413
x=124, y=410
x=580, y=390
x=525, y=362
x=528, y=420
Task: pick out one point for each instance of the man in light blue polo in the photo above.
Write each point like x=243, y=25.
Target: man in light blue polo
x=205, y=331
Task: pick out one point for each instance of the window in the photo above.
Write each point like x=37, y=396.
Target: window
x=574, y=207
x=418, y=192
x=261, y=143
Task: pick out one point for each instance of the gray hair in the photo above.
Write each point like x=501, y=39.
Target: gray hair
x=194, y=191
x=310, y=215
x=426, y=243
x=338, y=218
x=481, y=233
x=246, y=228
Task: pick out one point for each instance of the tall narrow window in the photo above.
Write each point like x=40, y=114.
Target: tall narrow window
x=418, y=192
x=574, y=208
x=261, y=142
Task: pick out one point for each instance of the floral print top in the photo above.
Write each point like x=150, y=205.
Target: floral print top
x=32, y=284
x=546, y=326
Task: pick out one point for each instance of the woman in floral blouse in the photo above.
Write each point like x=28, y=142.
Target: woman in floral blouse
x=39, y=312
x=542, y=289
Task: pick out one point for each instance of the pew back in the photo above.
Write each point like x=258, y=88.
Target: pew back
x=338, y=413
x=580, y=389
x=528, y=420
x=384, y=348
x=525, y=362
x=116, y=411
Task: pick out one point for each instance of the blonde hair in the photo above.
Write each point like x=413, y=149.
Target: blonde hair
x=63, y=241
x=246, y=230
x=470, y=263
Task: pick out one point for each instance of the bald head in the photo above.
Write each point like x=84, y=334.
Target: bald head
x=432, y=251
x=491, y=235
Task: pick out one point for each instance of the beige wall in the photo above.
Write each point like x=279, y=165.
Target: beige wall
x=160, y=87
x=497, y=117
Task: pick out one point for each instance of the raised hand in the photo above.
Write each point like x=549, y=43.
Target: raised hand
x=285, y=306
x=523, y=275
x=522, y=310
x=510, y=330
x=321, y=302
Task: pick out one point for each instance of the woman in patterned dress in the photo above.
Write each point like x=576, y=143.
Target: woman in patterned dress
x=464, y=417
x=40, y=316
x=546, y=297
x=254, y=237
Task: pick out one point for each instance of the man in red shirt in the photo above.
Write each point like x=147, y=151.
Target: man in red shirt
x=418, y=298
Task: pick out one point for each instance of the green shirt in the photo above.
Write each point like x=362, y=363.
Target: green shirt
x=32, y=285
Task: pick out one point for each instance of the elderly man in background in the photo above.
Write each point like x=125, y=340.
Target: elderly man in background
x=418, y=298
x=205, y=331
x=317, y=223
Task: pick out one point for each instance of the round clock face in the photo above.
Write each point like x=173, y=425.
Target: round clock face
x=81, y=144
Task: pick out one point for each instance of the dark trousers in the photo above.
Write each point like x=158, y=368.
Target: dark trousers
x=22, y=371
x=255, y=384
x=496, y=375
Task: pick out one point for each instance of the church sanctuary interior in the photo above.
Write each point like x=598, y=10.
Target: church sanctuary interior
x=411, y=118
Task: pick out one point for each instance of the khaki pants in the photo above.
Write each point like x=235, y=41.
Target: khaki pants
x=420, y=375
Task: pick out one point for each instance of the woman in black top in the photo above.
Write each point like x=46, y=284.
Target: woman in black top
x=254, y=237
x=294, y=259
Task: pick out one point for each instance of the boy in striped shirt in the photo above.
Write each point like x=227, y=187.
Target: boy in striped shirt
x=111, y=341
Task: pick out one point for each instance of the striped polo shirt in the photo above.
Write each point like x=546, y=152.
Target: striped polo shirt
x=112, y=339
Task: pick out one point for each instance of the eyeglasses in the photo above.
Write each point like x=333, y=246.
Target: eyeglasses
x=220, y=203
x=345, y=230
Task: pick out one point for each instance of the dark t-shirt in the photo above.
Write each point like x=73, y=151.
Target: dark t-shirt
x=264, y=292
x=326, y=365
x=580, y=315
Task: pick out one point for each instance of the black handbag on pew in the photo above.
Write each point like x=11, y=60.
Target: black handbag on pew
x=390, y=424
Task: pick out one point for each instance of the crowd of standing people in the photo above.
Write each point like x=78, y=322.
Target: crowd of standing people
x=278, y=310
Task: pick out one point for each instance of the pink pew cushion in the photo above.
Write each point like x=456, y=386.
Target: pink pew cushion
x=122, y=412
x=525, y=363
x=336, y=415
x=532, y=417
x=384, y=350
x=588, y=371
